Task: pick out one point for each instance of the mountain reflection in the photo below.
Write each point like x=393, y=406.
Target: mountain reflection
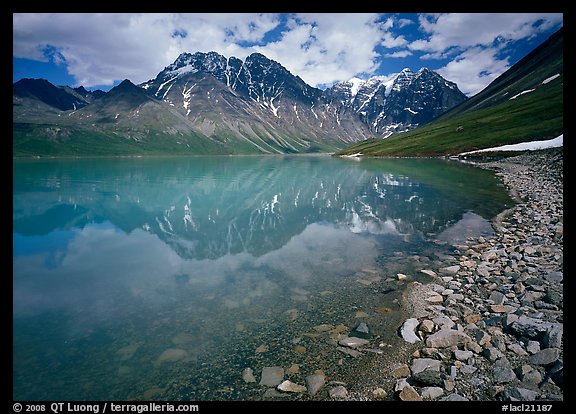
x=209, y=207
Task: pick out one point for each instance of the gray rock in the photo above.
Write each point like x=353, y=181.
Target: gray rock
x=529, y=375
x=463, y=355
x=421, y=364
x=545, y=356
x=483, y=271
x=426, y=326
x=540, y=304
x=468, y=369
x=554, y=276
x=497, y=297
x=248, y=375
x=408, y=330
x=444, y=322
x=349, y=351
x=338, y=392
x=509, y=318
x=273, y=393
x=400, y=384
x=362, y=328
x=445, y=338
x=315, y=382
x=379, y=393
x=531, y=327
x=428, y=378
x=289, y=386
x=431, y=393
x=454, y=397
x=557, y=373
x=449, y=384
x=553, y=297
x=492, y=353
x=519, y=394
x=450, y=270
x=353, y=342
x=400, y=371
x=482, y=337
x=553, y=336
x=532, y=347
x=272, y=376
x=503, y=374
x=517, y=349
x=408, y=393
x=473, y=346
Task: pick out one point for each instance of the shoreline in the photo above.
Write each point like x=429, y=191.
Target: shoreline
x=489, y=325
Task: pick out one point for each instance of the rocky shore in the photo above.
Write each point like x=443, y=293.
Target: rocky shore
x=491, y=325
x=488, y=324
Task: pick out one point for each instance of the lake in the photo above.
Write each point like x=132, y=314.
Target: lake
x=165, y=278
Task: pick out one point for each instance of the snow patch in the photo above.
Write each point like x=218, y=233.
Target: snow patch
x=524, y=146
x=522, y=93
x=356, y=84
x=550, y=79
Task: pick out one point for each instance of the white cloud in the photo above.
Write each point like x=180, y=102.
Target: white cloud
x=474, y=69
x=324, y=48
x=473, y=42
x=398, y=54
x=464, y=30
x=101, y=48
x=391, y=42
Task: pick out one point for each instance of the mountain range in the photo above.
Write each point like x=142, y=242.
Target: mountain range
x=205, y=103
x=525, y=103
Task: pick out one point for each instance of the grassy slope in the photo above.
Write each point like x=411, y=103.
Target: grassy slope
x=50, y=140
x=533, y=116
x=490, y=118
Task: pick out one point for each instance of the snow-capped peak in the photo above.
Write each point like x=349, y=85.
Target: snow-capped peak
x=356, y=84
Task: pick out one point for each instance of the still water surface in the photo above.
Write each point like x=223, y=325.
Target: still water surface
x=164, y=278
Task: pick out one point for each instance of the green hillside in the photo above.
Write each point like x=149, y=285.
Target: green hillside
x=523, y=104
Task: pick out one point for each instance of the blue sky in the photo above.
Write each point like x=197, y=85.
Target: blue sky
x=99, y=50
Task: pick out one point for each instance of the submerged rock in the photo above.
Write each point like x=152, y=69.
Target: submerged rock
x=272, y=376
x=289, y=386
x=353, y=342
x=171, y=355
x=315, y=382
x=248, y=375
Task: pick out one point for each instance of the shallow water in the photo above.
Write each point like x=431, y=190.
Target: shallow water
x=164, y=278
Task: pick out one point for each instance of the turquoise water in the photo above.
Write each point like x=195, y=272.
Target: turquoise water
x=164, y=278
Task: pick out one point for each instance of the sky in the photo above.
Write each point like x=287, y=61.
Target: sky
x=99, y=50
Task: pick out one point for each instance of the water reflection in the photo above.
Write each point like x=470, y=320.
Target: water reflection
x=210, y=207
x=122, y=265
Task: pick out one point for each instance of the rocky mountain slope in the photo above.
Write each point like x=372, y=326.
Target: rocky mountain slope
x=205, y=103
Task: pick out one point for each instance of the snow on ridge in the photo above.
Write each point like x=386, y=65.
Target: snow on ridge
x=550, y=79
x=524, y=146
x=522, y=93
x=356, y=84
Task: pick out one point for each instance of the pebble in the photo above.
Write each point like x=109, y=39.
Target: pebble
x=289, y=386
x=248, y=375
x=353, y=342
x=272, y=376
x=408, y=330
x=338, y=392
x=490, y=325
x=496, y=318
x=408, y=393
x=315, y=382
